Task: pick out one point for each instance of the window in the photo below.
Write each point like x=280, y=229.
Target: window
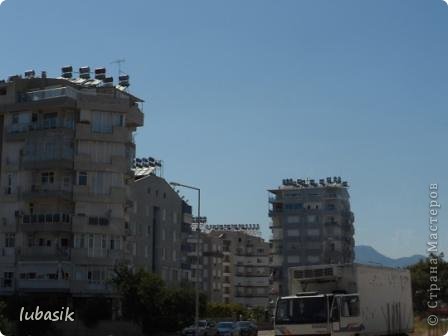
x=293, y=232
x=311, y=218
x=349, y=306
x=66, y=181
x=313, y=259
x=104, y=122
x=82, y=178
x=8, y=276
x=293, y=259
x=313, y=232
x=50, y=120
x=175, y=217
x=10, y=239
x=293, y=219
x=47, y=177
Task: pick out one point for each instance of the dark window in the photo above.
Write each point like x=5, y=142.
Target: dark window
x=47, y=178
x=103, y=221
x=82, y=178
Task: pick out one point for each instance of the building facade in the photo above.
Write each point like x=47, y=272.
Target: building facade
x=66, y=154
x=209, y=270
x=160, y=224
x=233, y=267
x=311, y=224
x=246, y=268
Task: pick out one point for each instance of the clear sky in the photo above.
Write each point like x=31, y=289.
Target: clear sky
x=241, y=94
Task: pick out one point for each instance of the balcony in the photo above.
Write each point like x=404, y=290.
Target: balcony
x=135, y=117
x=47, y=191
x=96, y=256
x=118, y=134
x=104, y=102
x=46, y=227
x=20, y=131
x=43, y=253
x=44, y=285
x=90, y=287
x=84, y=162
x=9, y=194
x=7, y=255
x=116, y=226
x=39, y=95
x=82, y=193
x=11, y=165
x=274, y=199
x=55, y=97
x=61, y=158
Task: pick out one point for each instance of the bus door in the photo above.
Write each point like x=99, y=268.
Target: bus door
x=345, y=314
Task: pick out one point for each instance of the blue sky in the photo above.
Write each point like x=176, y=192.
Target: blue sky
x=241, y=94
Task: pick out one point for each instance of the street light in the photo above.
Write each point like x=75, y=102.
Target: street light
x=198, y=255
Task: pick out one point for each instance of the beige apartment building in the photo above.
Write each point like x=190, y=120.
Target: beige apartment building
x=233, y=266
x=312, y=224
x=246, y=268
x=66, y=154
x=160, y=223
x=209, y=271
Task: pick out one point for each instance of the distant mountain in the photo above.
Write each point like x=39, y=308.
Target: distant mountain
x=368, y=255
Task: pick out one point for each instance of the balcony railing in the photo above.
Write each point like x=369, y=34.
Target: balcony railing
x=37, y=156
x=40, y=125
x=38, y=95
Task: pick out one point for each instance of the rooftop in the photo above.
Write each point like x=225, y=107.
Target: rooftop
x=336, y=182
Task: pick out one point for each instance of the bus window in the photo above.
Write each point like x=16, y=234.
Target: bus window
x=349, y=306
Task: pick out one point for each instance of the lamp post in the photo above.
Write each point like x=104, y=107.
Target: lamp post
x=198, y=254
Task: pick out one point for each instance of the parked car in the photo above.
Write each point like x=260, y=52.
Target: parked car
x=205, y=328
x=245, y=328
x=225, y=328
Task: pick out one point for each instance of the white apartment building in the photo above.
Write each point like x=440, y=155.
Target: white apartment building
x=66, y=154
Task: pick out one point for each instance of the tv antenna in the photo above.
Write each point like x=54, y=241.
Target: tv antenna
x=119, y=62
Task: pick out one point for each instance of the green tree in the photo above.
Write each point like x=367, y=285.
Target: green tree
x=149, y=303
x=421, y=281
x=5, y=325
x=142, y=296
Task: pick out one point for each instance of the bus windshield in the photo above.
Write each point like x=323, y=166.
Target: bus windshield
x=301, y=310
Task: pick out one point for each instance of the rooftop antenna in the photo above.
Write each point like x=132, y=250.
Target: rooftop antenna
x=119, y=62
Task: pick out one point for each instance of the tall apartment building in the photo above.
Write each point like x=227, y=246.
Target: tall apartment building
x=209, y=271
x=246, y=268
x=66, y=152
x=311, y=224
x=160, y=224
